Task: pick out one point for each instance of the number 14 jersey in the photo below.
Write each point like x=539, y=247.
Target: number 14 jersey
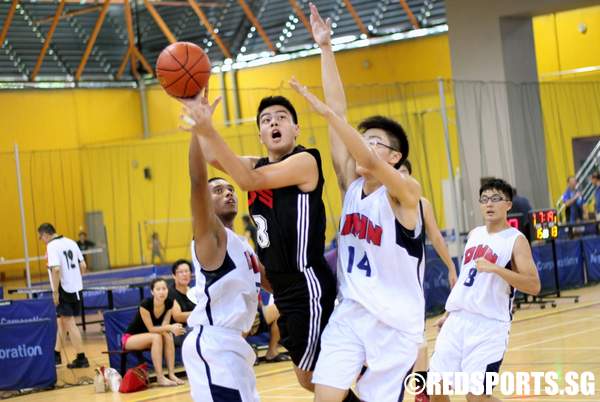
x=380, y=262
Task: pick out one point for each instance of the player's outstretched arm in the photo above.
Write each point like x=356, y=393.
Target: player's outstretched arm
x=523, y=275
x=298, y=170
x=333, y=89
x=207, y=150
x=209, y=234
x=401, y=187
x=437, y=240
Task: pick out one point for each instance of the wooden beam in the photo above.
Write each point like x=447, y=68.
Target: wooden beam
x=130, y=37
x=123, y=64
x=301, y=15
x=85, y=10
x=257, y=25
x=40, y=60
x=160, y=22
x=139, y=56
x=156, y=3
x=410, y=14
x=186, y=4
x=209, y=28
x=8, y=21
x=356, y=18
x=92, y=40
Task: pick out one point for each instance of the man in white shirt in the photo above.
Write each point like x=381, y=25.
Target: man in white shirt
x=65, y=266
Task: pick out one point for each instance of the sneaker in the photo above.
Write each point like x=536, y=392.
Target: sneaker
x=79, y=363
x=57, y=359
x=422, y=397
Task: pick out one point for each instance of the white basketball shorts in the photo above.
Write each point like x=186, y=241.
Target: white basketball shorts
x=353, y=338
x=218, y=362
x=470, y=343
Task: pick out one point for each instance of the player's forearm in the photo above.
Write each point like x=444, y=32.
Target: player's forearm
x=439, y=245
x=55, y=280
x=197, y=163
x=335, y=97
x=333, y=88
x=231, y=163
x=529, y=284
x=352, y=140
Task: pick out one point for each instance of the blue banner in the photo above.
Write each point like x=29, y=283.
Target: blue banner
x=19, y=311
x=115, y=324
x=435, y=285
x=591, y=251
x=570, y=264
x=1, y=293
x=27, y=354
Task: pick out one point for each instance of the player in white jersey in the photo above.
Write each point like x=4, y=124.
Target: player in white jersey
x=65, y=266
x=217, y=359
x=379, y=320
x=497, y=260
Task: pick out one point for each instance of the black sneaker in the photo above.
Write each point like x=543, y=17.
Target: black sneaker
x=79, y=363
x=57, y=359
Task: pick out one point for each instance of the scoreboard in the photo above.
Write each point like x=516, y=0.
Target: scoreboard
x=544, y=224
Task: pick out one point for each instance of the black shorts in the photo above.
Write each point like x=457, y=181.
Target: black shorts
x=305, y=302
x=69, y=305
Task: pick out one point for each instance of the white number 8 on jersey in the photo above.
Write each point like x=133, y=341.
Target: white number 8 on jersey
x=262, y=236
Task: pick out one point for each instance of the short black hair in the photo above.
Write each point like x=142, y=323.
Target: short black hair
x=155, y=281
x=178, y=263
x=394, y=130
x=408, y=166
x=276, y=100
x=214, y=178
x=498, y=185
x=46, y=228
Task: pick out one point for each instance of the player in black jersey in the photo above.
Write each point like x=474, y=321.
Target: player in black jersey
x=285, y=201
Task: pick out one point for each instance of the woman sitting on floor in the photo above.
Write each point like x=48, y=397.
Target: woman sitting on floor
x=150, y=329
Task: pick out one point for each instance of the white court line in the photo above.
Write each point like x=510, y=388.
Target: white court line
x=280, y=387
x=559, y=324
x=568, y=348
x=556, y=338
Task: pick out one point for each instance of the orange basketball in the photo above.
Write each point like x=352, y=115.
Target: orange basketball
x=183, y=69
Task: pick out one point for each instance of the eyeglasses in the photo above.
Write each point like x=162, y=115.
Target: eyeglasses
x=374, y=142
x=494, y=199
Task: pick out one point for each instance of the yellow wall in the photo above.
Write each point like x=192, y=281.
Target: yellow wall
x=570, y=100
x=62, y=121
x=110, y=178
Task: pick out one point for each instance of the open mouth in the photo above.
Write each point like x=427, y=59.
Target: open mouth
x=275, y=134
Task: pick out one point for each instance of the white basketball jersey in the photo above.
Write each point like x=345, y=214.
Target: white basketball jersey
x=227, y=297
x=64, y=253
x=485, y=293
x=380, y=263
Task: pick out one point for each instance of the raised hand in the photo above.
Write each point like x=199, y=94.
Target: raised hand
x=197, y=113
x=321, y=30
x=317, y=105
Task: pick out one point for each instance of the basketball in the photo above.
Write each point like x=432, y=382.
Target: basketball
x=183, y=69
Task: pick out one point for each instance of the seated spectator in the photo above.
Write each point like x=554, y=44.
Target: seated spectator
x=573, y=201
x=150, y=329
x=85, y=244
x=182, y=305
x=266, y=320
x=596, y=183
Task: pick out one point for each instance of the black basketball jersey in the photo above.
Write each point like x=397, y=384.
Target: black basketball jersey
x=290, y=223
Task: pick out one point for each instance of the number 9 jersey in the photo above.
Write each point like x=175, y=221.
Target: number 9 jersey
x=381, y=263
